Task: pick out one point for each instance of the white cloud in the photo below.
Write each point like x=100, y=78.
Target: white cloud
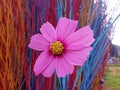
x=114, y=10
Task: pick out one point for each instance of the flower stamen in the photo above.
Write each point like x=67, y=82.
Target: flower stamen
x=56, y=48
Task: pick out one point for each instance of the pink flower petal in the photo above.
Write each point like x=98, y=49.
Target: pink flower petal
x=83, y=52
x=80, y=39
x=38, y=43
x=48, y=31
x=60, y=70
x=65, y=27
x=49, y=70
x=68, y=67
x=78, y=57
x=63, y=67
x=72, y=59
x=42, y=62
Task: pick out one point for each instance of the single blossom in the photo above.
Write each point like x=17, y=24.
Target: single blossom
x=62, y=48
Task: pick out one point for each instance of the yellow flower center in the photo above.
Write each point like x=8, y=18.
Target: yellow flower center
x=56, y=48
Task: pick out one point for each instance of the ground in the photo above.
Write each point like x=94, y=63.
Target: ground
x=112, y=77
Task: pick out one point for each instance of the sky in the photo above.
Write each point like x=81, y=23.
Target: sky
x=116, y=37
x=114, y=11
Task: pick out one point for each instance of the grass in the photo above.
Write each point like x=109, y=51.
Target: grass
x=118, y=58
x=112, y=78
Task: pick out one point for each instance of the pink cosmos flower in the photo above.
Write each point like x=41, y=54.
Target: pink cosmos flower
x=62, y=47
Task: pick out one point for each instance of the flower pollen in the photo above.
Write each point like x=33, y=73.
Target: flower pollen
x=56, y=48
